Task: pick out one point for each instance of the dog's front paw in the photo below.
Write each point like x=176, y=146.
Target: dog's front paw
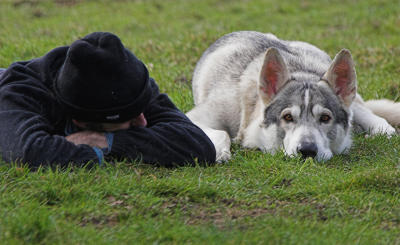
x=382, y=127
x=222, y=144
x=223, y=156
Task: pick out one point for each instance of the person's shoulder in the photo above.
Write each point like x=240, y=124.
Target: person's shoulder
x=160, y=102
x=48, y=63
x=36, y=74
x=49, y=58
x=58, y=53
x=157, y=96
x=154, y=86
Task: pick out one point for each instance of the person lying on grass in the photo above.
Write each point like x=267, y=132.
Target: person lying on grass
x=90, y=101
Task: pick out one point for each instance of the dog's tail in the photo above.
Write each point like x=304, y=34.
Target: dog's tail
x=387, y=109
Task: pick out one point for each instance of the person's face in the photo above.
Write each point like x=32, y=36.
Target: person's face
x=139, y=121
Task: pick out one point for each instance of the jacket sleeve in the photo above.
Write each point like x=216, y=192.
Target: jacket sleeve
x=26, y=133
x=169, y=139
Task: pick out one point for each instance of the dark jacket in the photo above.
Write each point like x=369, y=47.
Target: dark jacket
x=32, y=124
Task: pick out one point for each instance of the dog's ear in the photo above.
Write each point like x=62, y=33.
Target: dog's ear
x=274, y=74
x=342, y=77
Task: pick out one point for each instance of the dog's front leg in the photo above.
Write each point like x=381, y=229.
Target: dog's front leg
x=368, y=120
x=222, y=143
x=201, y=116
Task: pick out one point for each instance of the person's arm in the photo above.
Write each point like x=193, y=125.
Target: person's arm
x=26, y=131
x=169, y=139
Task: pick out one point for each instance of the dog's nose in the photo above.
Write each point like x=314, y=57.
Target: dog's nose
x=308, y=149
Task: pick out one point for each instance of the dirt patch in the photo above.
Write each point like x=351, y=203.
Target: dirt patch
x=121, y=211
x=121, y=202
x=67, y=2
x=394, y=91
x=37, y=13
x=284, y=183
x=220, y=216
x=100, y=221
x=19, y=3
x=182, y=79
x=219, y=212
x=390, y=225
x=231, y=210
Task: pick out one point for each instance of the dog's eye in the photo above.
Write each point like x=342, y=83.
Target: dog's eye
x=288, y=118
x=325, y=118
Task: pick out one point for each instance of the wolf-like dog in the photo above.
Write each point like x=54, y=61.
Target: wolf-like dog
x=273, y=94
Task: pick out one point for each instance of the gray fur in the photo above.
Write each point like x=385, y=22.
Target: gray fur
x=230, y=102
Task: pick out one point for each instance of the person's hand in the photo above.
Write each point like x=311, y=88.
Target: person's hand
x=91, y=138
x=139, y=121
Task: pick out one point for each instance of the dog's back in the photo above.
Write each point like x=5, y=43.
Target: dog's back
x=225, y=61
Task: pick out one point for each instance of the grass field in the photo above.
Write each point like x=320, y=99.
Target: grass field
x=253, y=199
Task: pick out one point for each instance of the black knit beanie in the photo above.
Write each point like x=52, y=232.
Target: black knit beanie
x=101, y=81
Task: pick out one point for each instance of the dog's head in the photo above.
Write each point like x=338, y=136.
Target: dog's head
x=310, y=117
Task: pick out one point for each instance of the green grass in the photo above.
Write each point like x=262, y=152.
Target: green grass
x=255, y=198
